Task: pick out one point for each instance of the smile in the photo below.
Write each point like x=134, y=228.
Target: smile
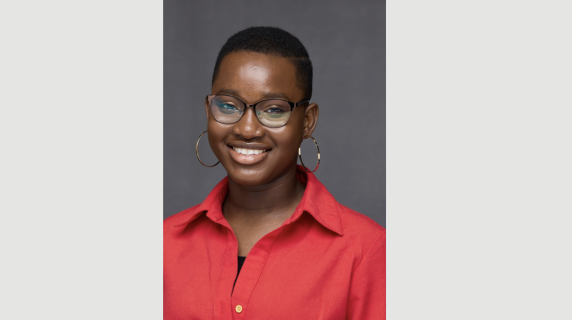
x=247, y=156
x=248, y=151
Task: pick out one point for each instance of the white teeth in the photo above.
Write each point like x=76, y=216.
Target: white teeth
x=247, y=151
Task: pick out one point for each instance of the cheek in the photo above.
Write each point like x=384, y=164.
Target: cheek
x=291, y=136
x=288, y=142
x=216, y=134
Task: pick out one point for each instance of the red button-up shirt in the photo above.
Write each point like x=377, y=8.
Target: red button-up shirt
x=325, y=262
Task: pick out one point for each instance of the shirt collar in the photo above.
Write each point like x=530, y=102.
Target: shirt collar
x=317, y=201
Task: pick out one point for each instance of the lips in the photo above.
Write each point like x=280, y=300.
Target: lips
x=248, y=153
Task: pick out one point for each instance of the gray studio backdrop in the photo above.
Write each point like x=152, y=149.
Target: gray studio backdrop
x=346, y=43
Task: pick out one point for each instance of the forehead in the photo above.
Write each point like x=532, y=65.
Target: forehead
x=255, y=76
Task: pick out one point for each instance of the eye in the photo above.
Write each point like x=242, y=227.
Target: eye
x=227, y=107
x=274, y=111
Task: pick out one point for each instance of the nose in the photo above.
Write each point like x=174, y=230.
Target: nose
x=248, y=127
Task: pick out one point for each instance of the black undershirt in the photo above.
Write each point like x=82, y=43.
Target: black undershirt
x=240, y=263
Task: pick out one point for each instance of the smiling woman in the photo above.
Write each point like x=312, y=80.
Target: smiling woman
x=271, y=125
x=269, y=242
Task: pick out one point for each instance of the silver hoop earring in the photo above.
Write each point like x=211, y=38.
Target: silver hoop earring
x=197, y=149
x=300, y=155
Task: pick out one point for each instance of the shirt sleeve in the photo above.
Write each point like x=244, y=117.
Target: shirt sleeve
x=367, y=289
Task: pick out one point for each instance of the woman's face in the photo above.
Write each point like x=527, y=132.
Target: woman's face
x=251, y=77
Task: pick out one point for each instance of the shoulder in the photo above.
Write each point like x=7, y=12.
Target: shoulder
x=359, y=228
x=178, y=219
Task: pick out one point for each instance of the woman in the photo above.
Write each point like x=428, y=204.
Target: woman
x=269, y=241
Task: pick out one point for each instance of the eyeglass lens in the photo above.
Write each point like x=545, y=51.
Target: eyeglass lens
x=271, y=113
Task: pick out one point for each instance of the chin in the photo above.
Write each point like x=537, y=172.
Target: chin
x=249, y=176
x=253, y=176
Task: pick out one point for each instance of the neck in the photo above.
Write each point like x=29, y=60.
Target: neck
x=276, y=200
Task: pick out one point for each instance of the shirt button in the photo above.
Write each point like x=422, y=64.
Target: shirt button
x=238, y=308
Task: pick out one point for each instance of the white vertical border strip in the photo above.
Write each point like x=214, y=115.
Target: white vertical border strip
x=81, y=165
x=479, y=159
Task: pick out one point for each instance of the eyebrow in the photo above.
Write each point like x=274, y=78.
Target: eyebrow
x=267, y=95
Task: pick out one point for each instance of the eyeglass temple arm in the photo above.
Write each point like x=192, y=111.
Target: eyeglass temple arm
x=301, y=103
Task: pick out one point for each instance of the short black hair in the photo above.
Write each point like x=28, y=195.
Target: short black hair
x=271, y=40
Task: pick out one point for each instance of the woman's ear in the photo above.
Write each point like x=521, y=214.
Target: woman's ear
x=311, y=113
x=207, y=107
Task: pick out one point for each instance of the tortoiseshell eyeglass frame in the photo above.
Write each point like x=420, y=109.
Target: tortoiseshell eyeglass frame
x=293, y=105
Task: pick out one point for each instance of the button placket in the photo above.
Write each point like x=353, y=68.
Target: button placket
x=227, y=276
x=250, y=273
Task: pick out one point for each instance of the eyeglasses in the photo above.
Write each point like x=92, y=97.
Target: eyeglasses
x=272, y=113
